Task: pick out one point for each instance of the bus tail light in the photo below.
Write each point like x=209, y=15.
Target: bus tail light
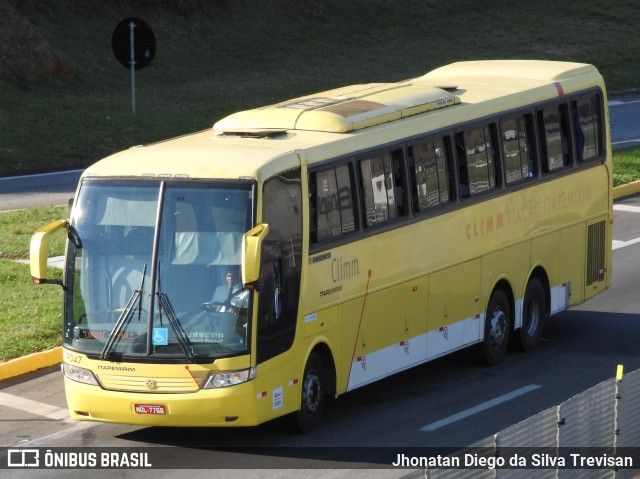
x=230, y=378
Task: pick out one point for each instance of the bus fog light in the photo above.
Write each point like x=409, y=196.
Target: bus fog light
x=80, y=375
x=230, y=378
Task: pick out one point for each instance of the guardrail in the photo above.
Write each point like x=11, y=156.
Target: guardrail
x=600, y=424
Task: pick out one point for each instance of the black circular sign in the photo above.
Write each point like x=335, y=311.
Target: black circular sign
x=144, y=43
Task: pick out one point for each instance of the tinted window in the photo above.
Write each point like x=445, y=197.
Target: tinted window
x=331, y=198
x=517, y=150
x=382, y=187
x=554, y=127
x=430, y=174
x=281, y=265
x=476, y=161
x=588, y=128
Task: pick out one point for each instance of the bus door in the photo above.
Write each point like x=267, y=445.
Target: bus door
x=279, y=289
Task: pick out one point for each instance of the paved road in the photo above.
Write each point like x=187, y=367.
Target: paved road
x=625, y=122
x=34, y=190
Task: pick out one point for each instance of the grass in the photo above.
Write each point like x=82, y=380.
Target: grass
x=31, y=318
x=626, y=165
x=214, y=58
x=16, y=228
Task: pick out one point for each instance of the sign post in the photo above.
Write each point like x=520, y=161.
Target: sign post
x=132, y=41
x=134, y=46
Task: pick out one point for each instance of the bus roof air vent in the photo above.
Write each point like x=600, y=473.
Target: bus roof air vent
x=343, y=110
x=254, y=133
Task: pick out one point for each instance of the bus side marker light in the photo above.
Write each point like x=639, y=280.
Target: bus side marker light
x=293, y=382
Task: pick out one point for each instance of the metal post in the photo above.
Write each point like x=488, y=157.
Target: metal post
x=132, y=26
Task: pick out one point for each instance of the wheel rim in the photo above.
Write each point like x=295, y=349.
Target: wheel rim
x=311, y=393
x=498, y=326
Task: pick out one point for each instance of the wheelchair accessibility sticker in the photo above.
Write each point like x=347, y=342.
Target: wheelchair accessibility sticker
x=160, y=336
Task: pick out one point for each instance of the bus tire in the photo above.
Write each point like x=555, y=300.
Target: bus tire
x=534, y=315
x=312, y=397
x=497, y=326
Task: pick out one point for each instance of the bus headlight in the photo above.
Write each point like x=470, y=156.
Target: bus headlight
x=230, y=378
x=80, y=375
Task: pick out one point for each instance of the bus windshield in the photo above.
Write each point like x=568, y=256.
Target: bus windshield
x=153, y=270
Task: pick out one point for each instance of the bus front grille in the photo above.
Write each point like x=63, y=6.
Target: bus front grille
x=142, y=384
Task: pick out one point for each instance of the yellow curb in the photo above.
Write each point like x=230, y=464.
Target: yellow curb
x=626, y=190
x=31, y=362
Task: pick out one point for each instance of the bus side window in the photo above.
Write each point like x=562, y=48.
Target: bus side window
x=331, y=203
x=398, y=182
x=587, y=126
x=463, y=176
x=555, y=147
x=476, y=161
x=430, y=174
x=517, y=149
x=382, y=186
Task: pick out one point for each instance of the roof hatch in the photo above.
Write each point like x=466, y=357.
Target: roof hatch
x=342, y=110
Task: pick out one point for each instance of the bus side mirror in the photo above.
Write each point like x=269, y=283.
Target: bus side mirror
x=251, y=253
x=39, y=252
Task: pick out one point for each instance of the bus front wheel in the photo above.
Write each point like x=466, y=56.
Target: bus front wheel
x=312, y=397
x=497, y=325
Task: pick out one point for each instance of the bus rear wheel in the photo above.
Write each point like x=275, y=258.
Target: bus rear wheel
x=534, y=315
x=314, y=389
x=497, y=326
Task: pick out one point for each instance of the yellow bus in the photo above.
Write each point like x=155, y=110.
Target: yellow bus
x=305, y=249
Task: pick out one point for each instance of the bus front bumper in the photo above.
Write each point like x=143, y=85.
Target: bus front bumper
x=222, y=407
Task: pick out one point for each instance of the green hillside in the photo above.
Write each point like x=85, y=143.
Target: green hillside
x=65, y=100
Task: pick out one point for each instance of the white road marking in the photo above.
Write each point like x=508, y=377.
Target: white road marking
x=55, y=439
x=33, y=407
x=627, y=208
x=616, y=143
x=479, y=408
x=617, y=244
x=620, y=102
x=623, y=244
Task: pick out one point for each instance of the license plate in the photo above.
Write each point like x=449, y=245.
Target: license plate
x=150, y=408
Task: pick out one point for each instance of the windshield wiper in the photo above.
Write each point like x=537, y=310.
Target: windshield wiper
x=134, y=299
x=165, y=304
